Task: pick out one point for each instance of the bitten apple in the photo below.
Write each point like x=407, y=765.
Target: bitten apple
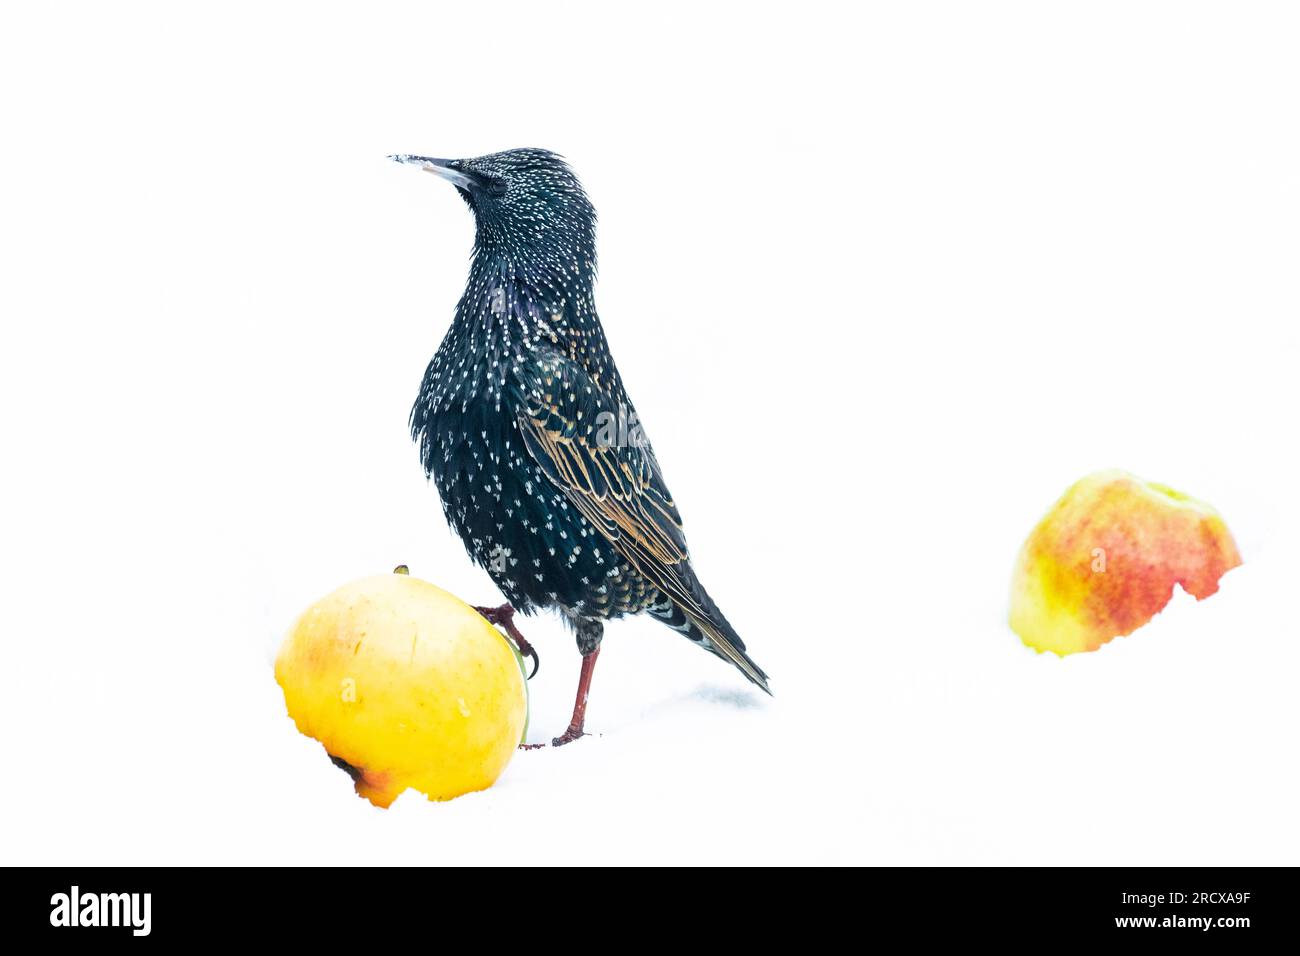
x=1106, y=558
x=405, y=686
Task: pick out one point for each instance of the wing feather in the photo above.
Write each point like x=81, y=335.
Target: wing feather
x=616, y=485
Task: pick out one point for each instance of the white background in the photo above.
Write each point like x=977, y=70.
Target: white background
x=883, y=282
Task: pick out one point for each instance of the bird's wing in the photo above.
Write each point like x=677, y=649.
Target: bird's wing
x=596, y=454
x=594, y=451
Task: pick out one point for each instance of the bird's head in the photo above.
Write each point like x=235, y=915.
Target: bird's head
x=527, y=203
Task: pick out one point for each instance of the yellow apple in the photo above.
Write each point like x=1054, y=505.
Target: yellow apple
x=405, y=686
x=1106, y=558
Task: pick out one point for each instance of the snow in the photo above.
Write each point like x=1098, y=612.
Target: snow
x=879, y=301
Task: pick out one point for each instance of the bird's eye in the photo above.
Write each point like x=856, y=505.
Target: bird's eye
x=494, y=186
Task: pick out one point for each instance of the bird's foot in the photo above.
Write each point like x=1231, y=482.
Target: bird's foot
x=569, y=736
x=505, y=616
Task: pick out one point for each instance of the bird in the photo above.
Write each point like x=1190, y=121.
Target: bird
x=524, y=426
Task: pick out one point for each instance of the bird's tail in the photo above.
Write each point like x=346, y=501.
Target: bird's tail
x=713, y=633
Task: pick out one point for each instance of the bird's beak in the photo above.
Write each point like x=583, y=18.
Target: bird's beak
x=441, y=168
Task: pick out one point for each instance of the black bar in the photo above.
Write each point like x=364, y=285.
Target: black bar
x=1228, y=906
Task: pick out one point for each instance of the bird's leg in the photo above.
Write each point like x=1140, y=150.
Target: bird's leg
x=589, y=635
x=505, y=616
x=580, y=705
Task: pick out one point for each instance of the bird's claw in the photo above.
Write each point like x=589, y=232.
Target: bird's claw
x=505, y=616
x=527, y=651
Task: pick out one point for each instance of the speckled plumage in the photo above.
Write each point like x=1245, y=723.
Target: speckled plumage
x=525, y=427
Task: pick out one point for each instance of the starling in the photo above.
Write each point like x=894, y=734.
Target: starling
x=526, y=430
